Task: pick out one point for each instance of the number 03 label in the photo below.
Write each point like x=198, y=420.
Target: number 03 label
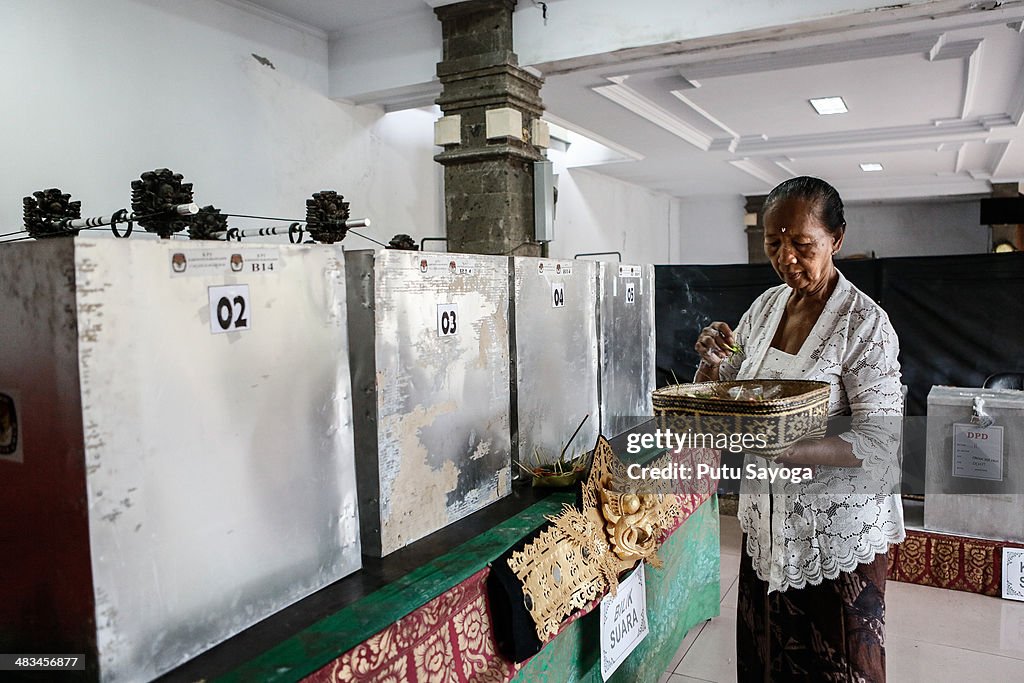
x=447, y=319
x=229, y=309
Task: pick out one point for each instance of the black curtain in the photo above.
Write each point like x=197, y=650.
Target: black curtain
x=959, y=319
x=689, y=297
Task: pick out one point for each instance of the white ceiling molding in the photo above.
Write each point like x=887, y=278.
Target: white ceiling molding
x=706, y=116
x=958, y=50
x=1000, y=155
x=870, y=48
x=874, y=150
x=763, y=169
x=404, y=97
x=970, y=80
x=945, y=130
x=1016, y=106
x=276, y=17
x=958, y=166
x=915, y=187
x=610, y=144
x=968, y=50
x=624, y=96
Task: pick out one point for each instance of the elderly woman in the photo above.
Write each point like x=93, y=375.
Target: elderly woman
x=812, y=576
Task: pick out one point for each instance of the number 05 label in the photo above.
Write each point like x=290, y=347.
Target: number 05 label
x=447, y=319
x=229, y=309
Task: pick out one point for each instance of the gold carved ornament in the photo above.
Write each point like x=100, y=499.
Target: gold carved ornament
x=580, y=556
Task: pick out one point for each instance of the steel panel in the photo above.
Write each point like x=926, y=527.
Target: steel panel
x=438, y=446
x=220, y=483
x=555, y=356
x=627, y=345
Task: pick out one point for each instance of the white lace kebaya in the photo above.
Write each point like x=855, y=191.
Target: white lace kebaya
x=804, y=533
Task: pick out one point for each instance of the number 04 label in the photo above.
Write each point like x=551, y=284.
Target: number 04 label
x=557, y=294
x=229, y=309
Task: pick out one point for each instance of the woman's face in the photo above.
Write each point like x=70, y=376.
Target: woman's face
x=798, y=245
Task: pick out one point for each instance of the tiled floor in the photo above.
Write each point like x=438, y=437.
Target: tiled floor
x=932, y=635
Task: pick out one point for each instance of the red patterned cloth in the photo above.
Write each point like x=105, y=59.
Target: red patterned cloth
x=948, y=561
x=447, y=640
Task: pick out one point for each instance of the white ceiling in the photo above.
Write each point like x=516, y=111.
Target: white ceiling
x=939, y=103
x=338, y=16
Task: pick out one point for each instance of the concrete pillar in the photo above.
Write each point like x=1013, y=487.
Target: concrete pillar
x=491, y=123
x=1014, y=234
x=755, y=228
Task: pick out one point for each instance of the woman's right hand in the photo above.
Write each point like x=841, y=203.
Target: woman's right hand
x=714, y=344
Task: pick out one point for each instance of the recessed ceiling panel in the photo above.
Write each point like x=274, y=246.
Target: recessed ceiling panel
x=914, y=162
x=907, y=90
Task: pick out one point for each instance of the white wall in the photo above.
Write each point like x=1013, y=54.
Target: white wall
x=98, y=92
x=599, y=213
x=397, y=54
x=931, y=228
x=709, y=230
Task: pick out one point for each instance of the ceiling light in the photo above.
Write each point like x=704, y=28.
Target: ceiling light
x=829, y=105
x=871, y=167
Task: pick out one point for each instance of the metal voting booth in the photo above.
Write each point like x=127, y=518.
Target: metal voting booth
x=222, y=429
x=975, y=486
x=556, y=362
x=430, y=362
x=184, y=410
x=627, y=345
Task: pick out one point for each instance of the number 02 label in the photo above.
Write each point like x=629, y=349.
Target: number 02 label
x=229, y=309
x=447, y=319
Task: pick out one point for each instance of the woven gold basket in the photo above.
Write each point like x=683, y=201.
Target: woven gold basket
x=799, y=410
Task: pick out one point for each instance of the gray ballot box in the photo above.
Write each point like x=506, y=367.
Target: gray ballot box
x=556, y=362
x=974, y=480
x=626, y=317
x=430, y=370
x=175, y=444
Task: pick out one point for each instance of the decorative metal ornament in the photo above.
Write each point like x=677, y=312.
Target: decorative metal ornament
x=208, y=224
x=47, y=210
x=633, y=521
x=580, y=556
x=403, y=241
x=326, y=216
x=155, y=198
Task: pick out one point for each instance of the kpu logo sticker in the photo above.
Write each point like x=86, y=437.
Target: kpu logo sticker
x=179, y=263
x=10, y=435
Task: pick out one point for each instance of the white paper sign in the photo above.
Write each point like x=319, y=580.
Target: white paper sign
x=623, y=621
x=1013, y=573
x=447, y=320
x=201, y=262
x=977, y=452
x=229, y=309
x=557, y=294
